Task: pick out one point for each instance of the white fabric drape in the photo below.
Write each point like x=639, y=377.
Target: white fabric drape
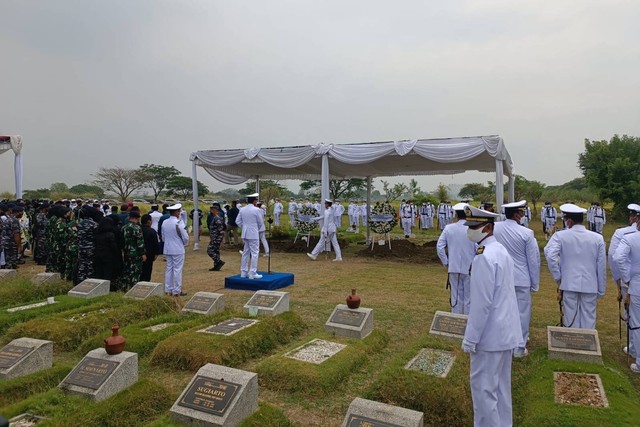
x=15, y=144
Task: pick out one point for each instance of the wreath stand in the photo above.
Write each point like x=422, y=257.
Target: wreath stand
x=298, y=233
x=375, y=239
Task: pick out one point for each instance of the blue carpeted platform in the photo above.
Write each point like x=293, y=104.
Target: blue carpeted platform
x=269, y=282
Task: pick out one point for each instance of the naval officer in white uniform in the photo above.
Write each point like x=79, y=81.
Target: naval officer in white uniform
x=521, y=244
x=175, y=238
x=327, y=232
x=577, y=262
x=493, y=329
x=250, y=219
x=458, y=261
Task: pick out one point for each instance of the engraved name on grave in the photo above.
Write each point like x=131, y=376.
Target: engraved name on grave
x=262, y=300
x=200, y=303
x=229, y=327
x=91, y=373
x=140, y=291
x=574, y=344
x=12, y=354
x=449, y=325
x=360, y=421
x=572, y=340
x=347, y=317
x=209, y=395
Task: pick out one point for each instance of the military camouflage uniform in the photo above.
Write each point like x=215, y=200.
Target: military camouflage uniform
x=40, y=252
x=133, y=251
x=3, y=220
x=71, y=238
x=216, y=233
x=86, y=249
x=52, y=255
x=9, y=231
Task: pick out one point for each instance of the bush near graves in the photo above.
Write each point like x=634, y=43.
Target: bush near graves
x=69, y=335
x=17, y=389
x=280, y=373
x=444, y=401
x=21, y=291
x=64, y=307
x=190, y=350
x=143, y=341
x=139, y=404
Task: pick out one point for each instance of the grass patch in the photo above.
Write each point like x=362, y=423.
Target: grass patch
x=65, y=304
x=17, y=389
x=21, y=291
x=139, y=404
x=190, y=350
x=280, y=373
x=143, y=341
x=68, y=335
x=533, y=395
x=444, y=401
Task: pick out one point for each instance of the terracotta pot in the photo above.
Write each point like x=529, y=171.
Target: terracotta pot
x=353, y=300
x=115, y=343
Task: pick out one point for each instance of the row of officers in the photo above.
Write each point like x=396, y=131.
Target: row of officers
x=494, y=267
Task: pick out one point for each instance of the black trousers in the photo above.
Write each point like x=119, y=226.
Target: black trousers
x=147, y=268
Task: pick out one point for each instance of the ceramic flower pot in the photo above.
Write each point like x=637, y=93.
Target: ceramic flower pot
x=353, y=300
x=115, y=343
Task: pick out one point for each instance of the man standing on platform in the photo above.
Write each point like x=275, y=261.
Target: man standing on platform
x=577, y=262
x=460, y=255
x=521, y=244
x=175, y=238
x=250, y=219
x=493, y=328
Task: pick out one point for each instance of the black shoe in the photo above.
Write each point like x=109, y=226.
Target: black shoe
x=218, y=266
x=181, y=294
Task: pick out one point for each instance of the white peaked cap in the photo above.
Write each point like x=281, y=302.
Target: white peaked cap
x=175, y=207
x=570, y=208
x=459, y=206
x=253, y=196
x=634, y=207
x=328, y=201
x=512, y=205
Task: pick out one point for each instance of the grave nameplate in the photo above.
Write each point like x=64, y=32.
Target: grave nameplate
x=143, y=290
x=229, y=327
x=205, y=303
x=209, y=395
x=351, y=323
x=90, y=288
x=217, y=396
x=369, y=413
x=42, y=278
x=91, y=373
x=450, y=325
x=574, y=344
x=268, y=302
x=8, y=274
x=12, y=354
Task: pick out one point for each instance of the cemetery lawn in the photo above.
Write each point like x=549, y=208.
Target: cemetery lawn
x=404, y=297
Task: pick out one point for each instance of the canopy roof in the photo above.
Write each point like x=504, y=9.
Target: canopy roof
x=373, y=159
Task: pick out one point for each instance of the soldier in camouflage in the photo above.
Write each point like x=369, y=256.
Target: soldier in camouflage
x=70, y=234
x=40, y=250
x=216, y=233
x=53, y=216
x=11, y=236
x=134, y=253
x=3, y=219
x=89, y=217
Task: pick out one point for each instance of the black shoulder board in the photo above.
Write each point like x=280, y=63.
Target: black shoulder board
x=629, y=232
x=480, y=250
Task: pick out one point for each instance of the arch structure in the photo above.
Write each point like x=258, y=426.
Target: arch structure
x=14, y=142
x=444, y=156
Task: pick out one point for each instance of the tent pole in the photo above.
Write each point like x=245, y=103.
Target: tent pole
x=196, y=217
x=257, y=184
x=367, y=209
x=17, y=167
x=512, y=189
x=499, y=186
x=324, y=180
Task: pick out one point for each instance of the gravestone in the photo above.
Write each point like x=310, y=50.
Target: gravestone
x=24, y=356
x=449, y=325
x=90, y=288
x=217, y=396
x=229, y=327
x=363, y=412
x=350, y=323
x=144, y=290
x=7, y=274
x=42, y=278
x=205, y=303
x=269, y=303
x=100, y=375
x=574, y=344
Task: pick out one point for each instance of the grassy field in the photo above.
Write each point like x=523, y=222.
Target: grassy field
x=404, y=297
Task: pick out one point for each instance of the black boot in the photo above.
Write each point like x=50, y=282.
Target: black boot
x=218, y=266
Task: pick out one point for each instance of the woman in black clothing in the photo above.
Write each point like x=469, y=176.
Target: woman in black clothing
x=108, y=255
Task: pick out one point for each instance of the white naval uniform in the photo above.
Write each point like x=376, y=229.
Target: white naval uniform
x=424, y=217
x=350, y=214
x=175, y=238
x=526, y=218
x=577, y=262
x=406, y=218
x=599, y=219
x=327, y=232
x=492, y=333
x=521, y=244
x=262, y=232
x=155, y=219
x=250, y=219
x=277, y=211
x=627, y=260
x=338, y=210
x=356, y=215
x=364, y=211
x=430, y=213
x=442, y=215
x=293, y=208
x=458, y=262
x=613, y=246
x=549, y=216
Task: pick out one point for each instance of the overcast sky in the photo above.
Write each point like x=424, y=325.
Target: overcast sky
x=123, y=83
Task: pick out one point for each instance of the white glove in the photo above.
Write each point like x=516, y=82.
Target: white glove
x=468, y=347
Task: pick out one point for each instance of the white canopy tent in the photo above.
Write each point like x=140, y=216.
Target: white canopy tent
x=444, y=156
x=14, y=142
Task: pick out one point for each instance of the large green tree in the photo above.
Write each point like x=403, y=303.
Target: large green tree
x=338, y=188
x=475, y=191
x=87, y=190
x=612, y=168
x=121, y=181
x=391, y=193
x=157, y=177
x=182, y=186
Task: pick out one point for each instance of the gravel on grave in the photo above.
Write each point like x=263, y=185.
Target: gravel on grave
x=25, y=420
x=81, y=316
x=158, y=327
x=316, y=351
x=579, y=389
x=432, y=362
